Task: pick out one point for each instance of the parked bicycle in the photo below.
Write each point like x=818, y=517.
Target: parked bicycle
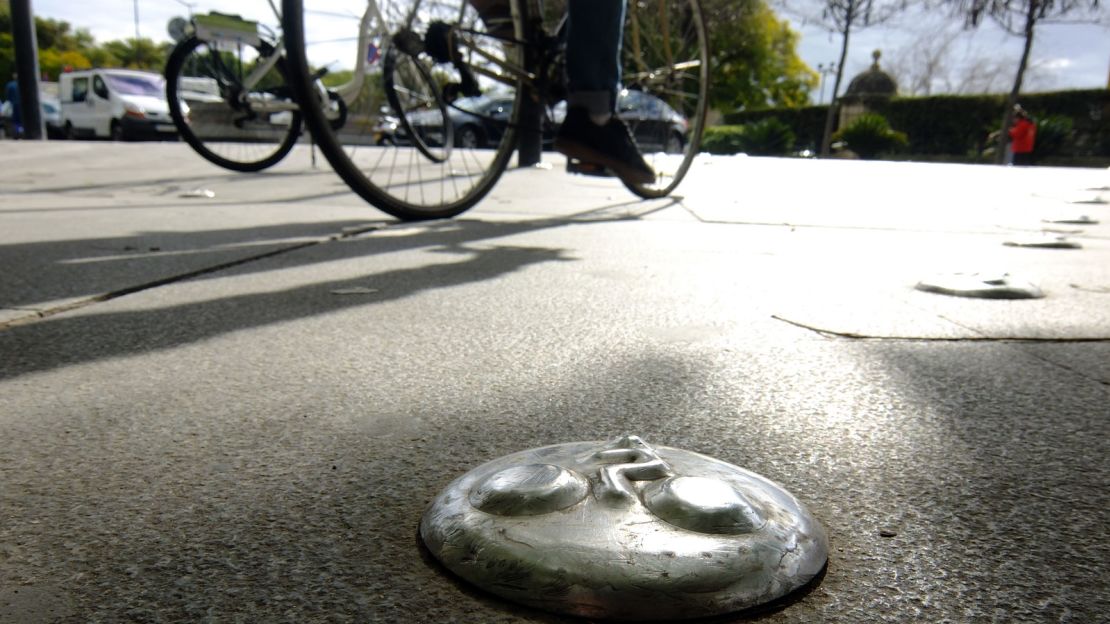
x=436, y=66
x=229, y=96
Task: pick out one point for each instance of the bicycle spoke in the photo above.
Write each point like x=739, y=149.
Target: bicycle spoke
x=220, y=117
x=395, y=107
x=665, y=61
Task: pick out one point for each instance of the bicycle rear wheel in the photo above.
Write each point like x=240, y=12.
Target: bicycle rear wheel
x=411, y=168
x=228, y=124
x=414, y=97
x=665, y=65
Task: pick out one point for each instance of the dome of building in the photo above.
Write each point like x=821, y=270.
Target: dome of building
x=872, y=82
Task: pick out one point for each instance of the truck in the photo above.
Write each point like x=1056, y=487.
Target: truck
x=119, y=104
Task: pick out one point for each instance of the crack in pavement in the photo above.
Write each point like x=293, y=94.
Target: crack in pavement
x=981, y=338
x=39, y=314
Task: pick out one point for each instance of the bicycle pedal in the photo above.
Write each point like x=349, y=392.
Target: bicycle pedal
x=587, y=168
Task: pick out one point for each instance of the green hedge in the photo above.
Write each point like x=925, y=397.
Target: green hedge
x=870, y=135
x=954, y=127
x=808, y=123
x=945, y=124
x=765, y=137
x=723, y=140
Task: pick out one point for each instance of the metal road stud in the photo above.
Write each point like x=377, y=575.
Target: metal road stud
x=1073, y=220
x=624, y=530
x=1044, y=241
x=981, y=285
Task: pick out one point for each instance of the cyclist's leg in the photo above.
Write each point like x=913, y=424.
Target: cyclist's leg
x=593, y=55
x=592, y=132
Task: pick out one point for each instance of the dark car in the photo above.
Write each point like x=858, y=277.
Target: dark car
x=480, y=121
x=477, y=121
x=656, y=126
x=485, y=122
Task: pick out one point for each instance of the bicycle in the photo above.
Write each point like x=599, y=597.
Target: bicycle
x=228, y=92
x=467, y=79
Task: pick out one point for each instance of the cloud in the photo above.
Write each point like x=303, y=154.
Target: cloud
x=1055, y=64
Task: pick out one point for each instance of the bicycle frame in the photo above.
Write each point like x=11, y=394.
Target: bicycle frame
x=512, y=74
x=347, y=90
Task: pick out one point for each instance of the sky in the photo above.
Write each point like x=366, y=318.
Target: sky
x=1064, y=56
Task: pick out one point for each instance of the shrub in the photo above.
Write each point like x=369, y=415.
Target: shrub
x=870, y=135
x=807, y=123
x=952, y=126
x=945, y=124
x=767, y=137
x=1052, y=134
x=723, y=139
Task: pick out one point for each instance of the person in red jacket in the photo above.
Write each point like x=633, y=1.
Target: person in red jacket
x=1023, y=134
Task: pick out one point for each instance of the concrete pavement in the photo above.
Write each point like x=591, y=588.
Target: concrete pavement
x=234, y=409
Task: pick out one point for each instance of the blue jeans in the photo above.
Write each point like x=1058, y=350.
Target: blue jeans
x=595, y=32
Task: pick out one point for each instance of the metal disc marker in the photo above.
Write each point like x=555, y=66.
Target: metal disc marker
x=980, y=285
x=1047, y=241
x=1076, y=220
x=624, y=530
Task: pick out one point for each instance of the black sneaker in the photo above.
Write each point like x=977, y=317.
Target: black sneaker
x=610, y=146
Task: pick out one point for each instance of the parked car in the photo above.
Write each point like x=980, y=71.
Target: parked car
x=118, y=104
x=51, y=117
x=656, y=126
x=386, y=128
x=477, y=121
x=6, y=129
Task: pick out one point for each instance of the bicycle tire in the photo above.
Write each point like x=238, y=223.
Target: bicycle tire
x=421, y=139
x=666, y=75
x=397, y=179
x=257, y=147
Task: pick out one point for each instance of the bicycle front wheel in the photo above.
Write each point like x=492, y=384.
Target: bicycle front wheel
x=235, y=126
x=665, y=65
x=405, y=147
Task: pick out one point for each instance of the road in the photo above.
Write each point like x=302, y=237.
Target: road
x=235, y=408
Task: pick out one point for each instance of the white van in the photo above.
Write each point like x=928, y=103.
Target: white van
x=116, y=103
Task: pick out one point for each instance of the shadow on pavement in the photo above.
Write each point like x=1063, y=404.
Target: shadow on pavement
x=67, y=340
x=99, y=266
x=34, y=346
x=96, y=266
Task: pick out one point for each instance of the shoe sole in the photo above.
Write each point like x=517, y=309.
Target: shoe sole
x=589, y=155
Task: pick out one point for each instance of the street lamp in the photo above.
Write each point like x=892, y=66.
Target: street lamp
x=188, y=6
x=824, y=69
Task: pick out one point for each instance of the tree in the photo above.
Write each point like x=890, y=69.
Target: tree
x=61, y=47
x=987, y=74
x=53, y=62
x=924, y=64
x=7, y=46
x=940, y=58
x=141, y=53
x=1019, y=18
x=843, y=17
x=754, y=58
x=52, y=33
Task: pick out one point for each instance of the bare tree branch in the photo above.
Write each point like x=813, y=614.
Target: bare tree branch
x=843, y=17
x=1020, y=18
